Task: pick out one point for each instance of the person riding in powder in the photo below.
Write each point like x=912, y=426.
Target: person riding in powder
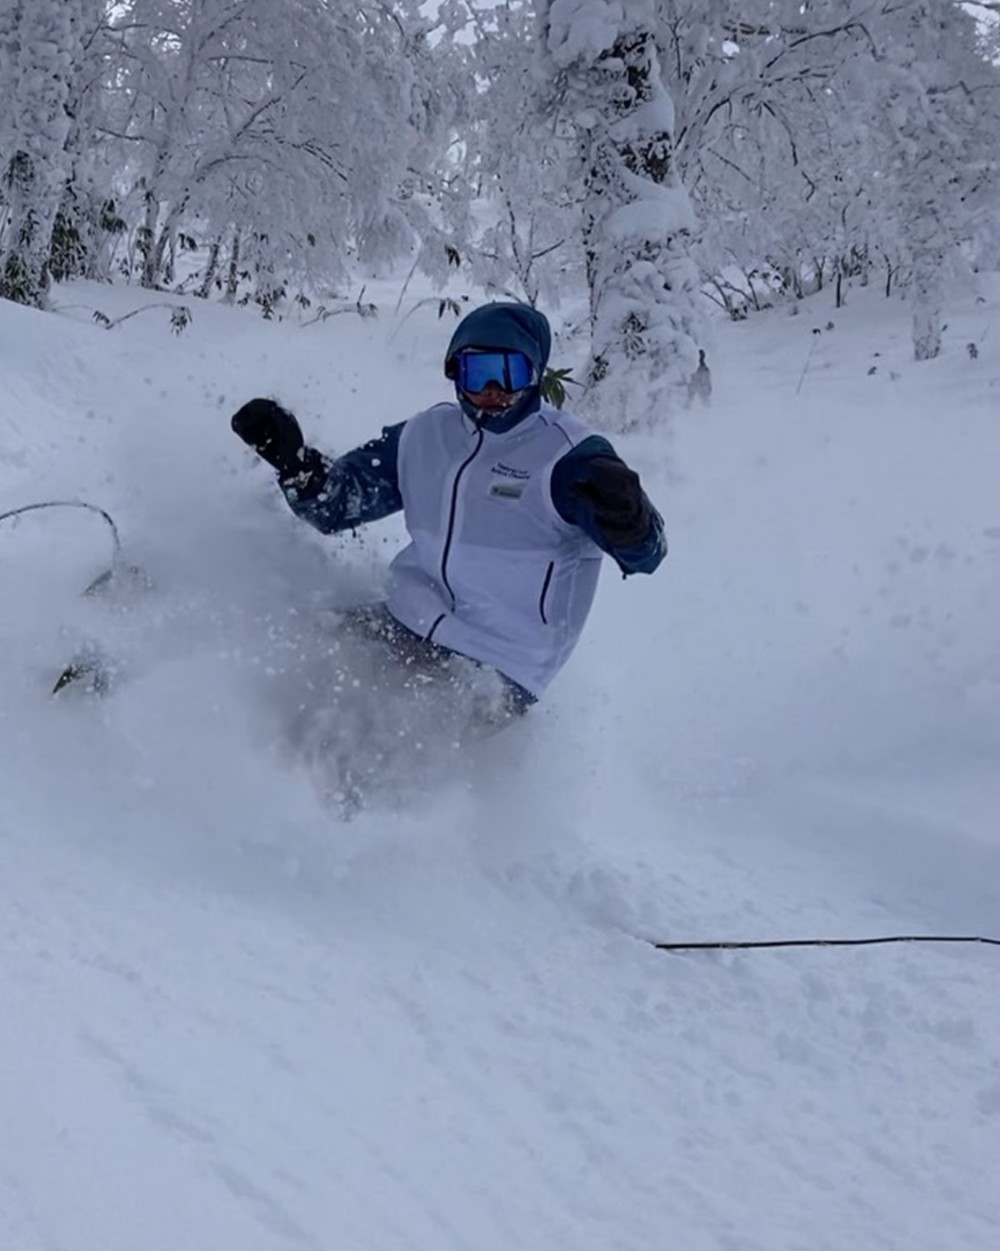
x=510, y=505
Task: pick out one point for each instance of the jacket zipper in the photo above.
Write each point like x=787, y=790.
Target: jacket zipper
x=451, y=528
x=545, y=591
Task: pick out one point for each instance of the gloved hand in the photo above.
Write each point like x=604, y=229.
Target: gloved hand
x=273, y=433
x=617, y=504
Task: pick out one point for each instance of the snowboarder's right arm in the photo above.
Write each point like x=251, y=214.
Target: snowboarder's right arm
x=360, y=486
x=332, y=495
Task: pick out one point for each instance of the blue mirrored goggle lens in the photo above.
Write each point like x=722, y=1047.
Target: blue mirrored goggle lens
x=512, y=371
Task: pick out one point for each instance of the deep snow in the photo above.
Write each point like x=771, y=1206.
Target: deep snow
x=230, y=1019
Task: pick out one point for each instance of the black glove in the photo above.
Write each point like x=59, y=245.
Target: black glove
x=613, y=493
x=273, y=433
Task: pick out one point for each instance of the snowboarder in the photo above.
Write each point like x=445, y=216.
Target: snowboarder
x=510, y=505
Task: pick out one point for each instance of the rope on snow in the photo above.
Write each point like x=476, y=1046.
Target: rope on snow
x=30, y=508
x=89, y=664
x=734, y=945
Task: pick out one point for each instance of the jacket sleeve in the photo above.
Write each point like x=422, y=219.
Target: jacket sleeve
x=358, y=487
x=644, y=557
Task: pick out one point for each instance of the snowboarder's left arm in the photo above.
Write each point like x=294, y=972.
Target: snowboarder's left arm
x=594, y=489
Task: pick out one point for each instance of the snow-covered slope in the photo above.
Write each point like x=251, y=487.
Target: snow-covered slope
x=231, y=1020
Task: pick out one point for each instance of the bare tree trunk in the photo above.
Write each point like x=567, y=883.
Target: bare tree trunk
x=927, y=329
x=928, y=249
x=204, y=289
x=233, y=271
x=147, y=236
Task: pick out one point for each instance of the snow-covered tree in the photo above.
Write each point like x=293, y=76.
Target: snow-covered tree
x=36, y=46
x=550, y=146
x=637, y=216
x=822, y=138
x=282, y=141
x=513, y=212
x=88, y=225
x=935, y=131
x=759, y=136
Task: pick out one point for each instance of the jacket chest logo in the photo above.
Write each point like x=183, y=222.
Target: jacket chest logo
x=507, y=482
x=509, y=471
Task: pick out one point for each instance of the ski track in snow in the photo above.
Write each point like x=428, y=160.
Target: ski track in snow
x=232, y=1020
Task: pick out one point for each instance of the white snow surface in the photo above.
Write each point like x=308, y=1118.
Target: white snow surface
x=231, y=1020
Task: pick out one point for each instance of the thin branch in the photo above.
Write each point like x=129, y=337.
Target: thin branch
x=117, y=134
x=845, y=28
x=754, y=182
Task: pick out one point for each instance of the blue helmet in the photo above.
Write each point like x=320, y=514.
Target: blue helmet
x=509, y=327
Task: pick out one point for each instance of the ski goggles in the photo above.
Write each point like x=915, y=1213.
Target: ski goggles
x=511, y=371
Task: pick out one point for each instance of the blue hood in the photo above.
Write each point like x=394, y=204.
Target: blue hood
x=517, y=328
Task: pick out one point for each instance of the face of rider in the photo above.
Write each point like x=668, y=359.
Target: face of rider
x=493, y=398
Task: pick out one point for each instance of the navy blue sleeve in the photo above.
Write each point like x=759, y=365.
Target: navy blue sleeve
x=358, y=487
x=642, y=558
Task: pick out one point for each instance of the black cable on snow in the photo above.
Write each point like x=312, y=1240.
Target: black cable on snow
x=30, y=508
x=739, y=945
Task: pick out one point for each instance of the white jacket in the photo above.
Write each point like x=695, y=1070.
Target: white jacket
x=493, y=571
